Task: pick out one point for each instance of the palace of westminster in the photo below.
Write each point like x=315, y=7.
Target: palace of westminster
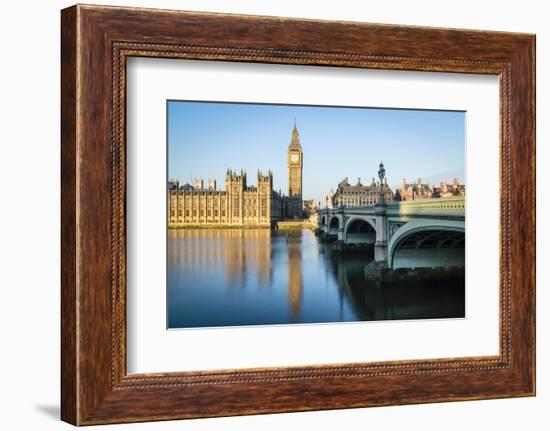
x=240, y=204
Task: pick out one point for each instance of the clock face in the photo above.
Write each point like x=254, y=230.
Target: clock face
x=294, y=158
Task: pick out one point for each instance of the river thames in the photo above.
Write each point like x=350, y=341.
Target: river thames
x=235, y=277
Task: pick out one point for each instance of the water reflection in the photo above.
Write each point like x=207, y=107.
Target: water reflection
x=295, y=286
x=227, y=277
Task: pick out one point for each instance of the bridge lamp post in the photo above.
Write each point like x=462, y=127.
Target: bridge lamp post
x=381, y=176
x=381, y=244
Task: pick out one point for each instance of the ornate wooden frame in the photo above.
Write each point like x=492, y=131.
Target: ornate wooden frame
x=95, y=43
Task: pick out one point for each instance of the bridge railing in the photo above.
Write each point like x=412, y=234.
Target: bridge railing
x=454, y=205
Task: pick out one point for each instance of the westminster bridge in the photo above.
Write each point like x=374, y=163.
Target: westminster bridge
x=406, y=234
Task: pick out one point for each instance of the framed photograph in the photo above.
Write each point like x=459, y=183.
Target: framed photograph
x=263, y=214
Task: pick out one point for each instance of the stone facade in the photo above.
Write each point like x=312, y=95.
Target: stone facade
x=348, y=195
x=238, y=205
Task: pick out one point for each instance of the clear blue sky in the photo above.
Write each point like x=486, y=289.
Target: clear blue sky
x=204, y=139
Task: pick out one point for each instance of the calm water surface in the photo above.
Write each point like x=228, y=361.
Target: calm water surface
x=227, y=277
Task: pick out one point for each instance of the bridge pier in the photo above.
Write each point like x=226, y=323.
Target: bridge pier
x=341, y=225
x=381, y=244
x=341, y=233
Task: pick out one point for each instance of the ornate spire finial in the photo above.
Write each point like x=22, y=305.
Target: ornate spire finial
x=295, y=141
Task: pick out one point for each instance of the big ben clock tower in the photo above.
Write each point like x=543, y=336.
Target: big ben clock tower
x=295, y=165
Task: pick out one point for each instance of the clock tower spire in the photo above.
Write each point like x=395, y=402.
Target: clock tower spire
x=295, y=164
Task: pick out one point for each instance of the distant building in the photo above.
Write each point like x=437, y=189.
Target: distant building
x=330, y=199
x=348, y=195
x=198, y=184
x=446, y=190
x=309, y=208
x=173, y=184
x=420, y=190
x=211, y=184
x=414, y=191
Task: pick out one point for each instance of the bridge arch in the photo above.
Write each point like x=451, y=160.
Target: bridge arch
x=359, y=230
x=427, y=243
x=334, y=225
